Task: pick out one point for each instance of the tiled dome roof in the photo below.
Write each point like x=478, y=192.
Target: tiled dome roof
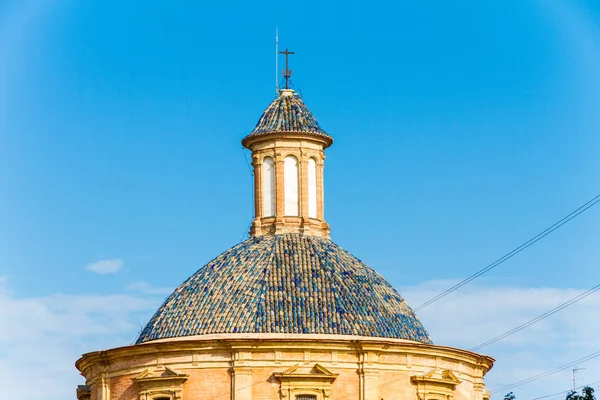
x=289, y=283
x=287, y=113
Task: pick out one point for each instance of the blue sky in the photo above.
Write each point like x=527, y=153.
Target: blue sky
x=462, y=128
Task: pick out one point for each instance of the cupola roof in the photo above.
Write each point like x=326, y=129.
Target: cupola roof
x=288, y=114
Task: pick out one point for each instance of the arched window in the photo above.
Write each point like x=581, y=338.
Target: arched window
x=312, y=188
x=268, y=187
x=290, y=183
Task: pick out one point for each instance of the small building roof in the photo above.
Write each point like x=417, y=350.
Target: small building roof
x=288, y=114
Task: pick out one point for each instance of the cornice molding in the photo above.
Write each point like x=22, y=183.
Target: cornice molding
x=275, y=342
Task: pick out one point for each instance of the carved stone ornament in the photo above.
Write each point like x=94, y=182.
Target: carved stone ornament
x=486, y=394
x=435, y=384
x=161, y=382
x=299, y=380
x=83, y=392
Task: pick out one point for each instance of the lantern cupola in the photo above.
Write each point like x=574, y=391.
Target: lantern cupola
x=287, y=147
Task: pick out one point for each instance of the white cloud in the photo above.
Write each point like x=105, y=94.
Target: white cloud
x=42, y=337
x=103, y=267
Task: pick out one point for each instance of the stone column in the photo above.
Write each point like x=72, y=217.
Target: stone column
x=279, y=191
x=303, y=187
x=320, y=190
x=258, y=200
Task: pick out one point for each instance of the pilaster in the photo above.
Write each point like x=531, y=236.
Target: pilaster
x=242, y=383
x=320, y=189
x=369, y=375
x=303, y=187
x=258, y=195
x=104, y=388
x=370, y=379
x=279, y=191
x=241, y=376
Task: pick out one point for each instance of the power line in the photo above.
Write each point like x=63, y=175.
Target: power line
x=252, y=202
x=548, y=373
x=549, y=230
x=515, y=251
x=247, y=162
x=539, y=318
x=563, y=392
x=246, y=231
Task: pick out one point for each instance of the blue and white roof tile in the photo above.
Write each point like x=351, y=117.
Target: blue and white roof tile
x=288, y=283
x=288, y=113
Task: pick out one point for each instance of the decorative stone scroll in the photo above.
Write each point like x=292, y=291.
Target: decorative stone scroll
x=162, y=382
x=301, y=382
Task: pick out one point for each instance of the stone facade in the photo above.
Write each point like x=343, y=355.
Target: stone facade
x=284, y=367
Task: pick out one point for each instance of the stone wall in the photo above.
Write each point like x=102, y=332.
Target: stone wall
x=327, y=367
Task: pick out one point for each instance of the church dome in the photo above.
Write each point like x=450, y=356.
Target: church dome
x=286, y=313
x=290, y=283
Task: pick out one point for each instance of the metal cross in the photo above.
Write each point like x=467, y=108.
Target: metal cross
x=287, y=73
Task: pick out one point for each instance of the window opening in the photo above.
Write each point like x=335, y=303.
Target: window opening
x=312, y=188
x=268, y=187
x=290, y=191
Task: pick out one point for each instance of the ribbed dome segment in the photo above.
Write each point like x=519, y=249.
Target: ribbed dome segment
x=287, y=113
x=288, y=283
